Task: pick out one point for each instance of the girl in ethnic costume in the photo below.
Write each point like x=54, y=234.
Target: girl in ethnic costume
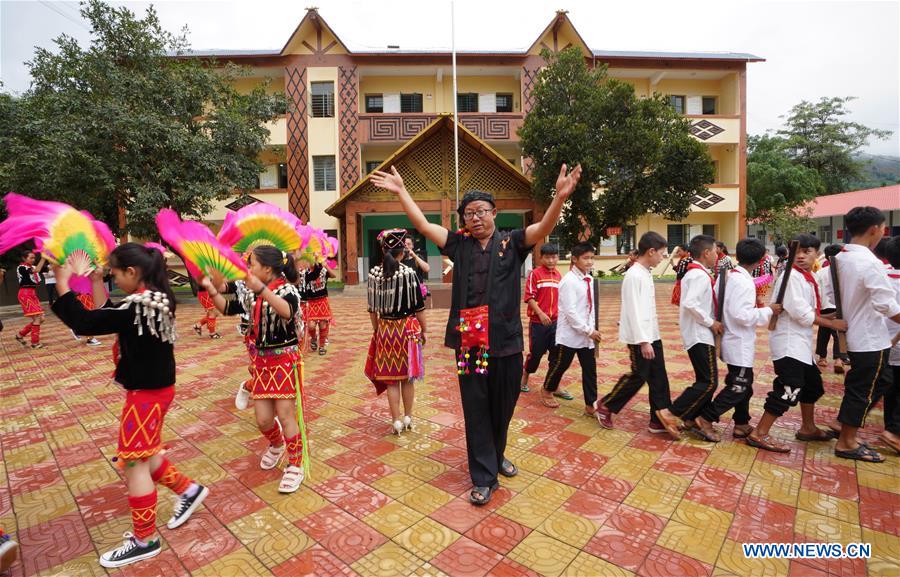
x=397, y=310
x=209, y=318
x=318, y=310
x=272, y=300
x=31, y=306
x=145, y=367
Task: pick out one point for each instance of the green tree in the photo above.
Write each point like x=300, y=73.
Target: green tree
x=127, y=123
x=786, y=224
x=636, y=154
x=774, y=181
x=818, y=136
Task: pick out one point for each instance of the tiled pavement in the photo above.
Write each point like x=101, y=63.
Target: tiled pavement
x=587, y=501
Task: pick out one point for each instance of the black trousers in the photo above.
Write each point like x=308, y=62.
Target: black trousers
x=822, y=338
x=562, y=362
x=706, y=379
x=892, y=403
x=488, y=403
x=52, y=295
x=541, y=339
x=867, y=380
x=735, y=395
x=795, y=382
x=652, y=372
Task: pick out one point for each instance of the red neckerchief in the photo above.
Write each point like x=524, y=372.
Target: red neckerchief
x=257, y=308
x=811, y=280
x=712, y=282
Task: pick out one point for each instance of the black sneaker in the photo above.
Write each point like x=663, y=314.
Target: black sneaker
x=130, y=552
x=186, y=507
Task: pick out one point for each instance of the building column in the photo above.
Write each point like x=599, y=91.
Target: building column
x=297, y=149
x=351, y=242
x=348, y=85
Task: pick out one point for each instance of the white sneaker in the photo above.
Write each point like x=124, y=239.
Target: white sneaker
x=76, y=337
x=398, y=427
x=9, y=552
x=242, y=398
x=290, y=482
x=92, y=342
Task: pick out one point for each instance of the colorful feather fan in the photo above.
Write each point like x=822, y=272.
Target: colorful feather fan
x=319, y=248
x=61, y=233
x=202, y=252
x=259, y=224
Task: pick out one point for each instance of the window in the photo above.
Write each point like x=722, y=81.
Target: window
x=374, y=103
x=324, y=173
x=563, y=248
x=677, y=103
x=625, y=242
x=323, y=99
x=411, y=102
x=504, y=102
x=282, y=175
x=709, y=105
x=467, y=102
x=676, y=235
x=709, y=230
x=372, y=165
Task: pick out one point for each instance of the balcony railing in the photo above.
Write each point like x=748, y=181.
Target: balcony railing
x=716, y=129
x=391, y=127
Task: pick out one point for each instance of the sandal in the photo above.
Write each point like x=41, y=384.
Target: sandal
x=890, y=443
x=766, y=443
x=565, y=395
x=482, y=495
x=741, y=433
x=290, y=482
x=547, y=400
x=819, y=436
x=861, y=453
x=822, y=363
x=322, y=351
x=670, y=425
x=711, y=436
x=272, y=457
x=508, y=469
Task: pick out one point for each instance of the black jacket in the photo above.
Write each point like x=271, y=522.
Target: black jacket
x=145, y=361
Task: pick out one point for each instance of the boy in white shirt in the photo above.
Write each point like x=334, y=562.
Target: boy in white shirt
x=740, y=317
x=891, y=434
x=797, y=377
x=639, y=330
x=696, y=318
x=575, y=332
x=866, y=298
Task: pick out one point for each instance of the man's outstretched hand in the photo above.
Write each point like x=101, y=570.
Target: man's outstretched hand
x=389, y=181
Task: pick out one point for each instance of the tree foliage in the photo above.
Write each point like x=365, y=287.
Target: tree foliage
x=817, y=135
x=774, y=181
x=636, y=153
x=126, y=122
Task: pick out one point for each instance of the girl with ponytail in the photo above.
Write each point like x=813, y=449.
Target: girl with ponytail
x=144, y=323
x=272, y=300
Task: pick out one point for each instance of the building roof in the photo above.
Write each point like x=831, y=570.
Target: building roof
x=560, y=20
x=886, y=198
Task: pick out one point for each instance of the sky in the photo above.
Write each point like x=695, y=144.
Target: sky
x=812, y=48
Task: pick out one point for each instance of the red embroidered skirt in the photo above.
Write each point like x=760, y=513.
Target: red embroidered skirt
x=394, y=353
x=272, y=375
x=31, y=306
x=318, y=310
x=141, y=424
x=205, y=300
x=87, y=301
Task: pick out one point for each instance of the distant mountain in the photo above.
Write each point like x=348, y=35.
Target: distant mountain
x=877, y=171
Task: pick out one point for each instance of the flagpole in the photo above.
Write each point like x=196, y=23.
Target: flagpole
x=455, y=101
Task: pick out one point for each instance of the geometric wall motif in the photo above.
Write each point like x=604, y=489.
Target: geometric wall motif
x=704, y=129
x=349, y=122
x=704, y=201
x=297, y=143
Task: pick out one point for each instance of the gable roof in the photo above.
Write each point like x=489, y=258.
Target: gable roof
x=313, y=17
x=479, y=165
x=560, y=21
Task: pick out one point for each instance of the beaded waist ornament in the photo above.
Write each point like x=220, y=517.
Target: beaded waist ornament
x=473, y=332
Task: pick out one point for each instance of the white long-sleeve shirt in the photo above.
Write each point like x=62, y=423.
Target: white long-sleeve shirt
x=576, y=313
x=741, y=317
x=695, y=313
x=637, y=320
x=894, y=328
x=823, y=277
x=866, y=298
x=793, y=335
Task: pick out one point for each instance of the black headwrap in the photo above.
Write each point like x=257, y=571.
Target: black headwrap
x=472, y=196
x=392, y=238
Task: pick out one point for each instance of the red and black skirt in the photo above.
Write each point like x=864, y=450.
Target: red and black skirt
x=140, y=428
x=318, y=310
x=31, y=306
x=274, y=374
x=395, y=354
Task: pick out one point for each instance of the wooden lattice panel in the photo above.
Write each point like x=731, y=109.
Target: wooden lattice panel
x=488, y=177
x=297, y=143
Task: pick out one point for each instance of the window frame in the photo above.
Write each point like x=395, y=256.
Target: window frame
x=325, y=175
x=371, y=110
x=471, y=96
x=327, y=99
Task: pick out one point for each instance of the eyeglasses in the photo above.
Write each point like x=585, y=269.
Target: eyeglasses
x=480, y=213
